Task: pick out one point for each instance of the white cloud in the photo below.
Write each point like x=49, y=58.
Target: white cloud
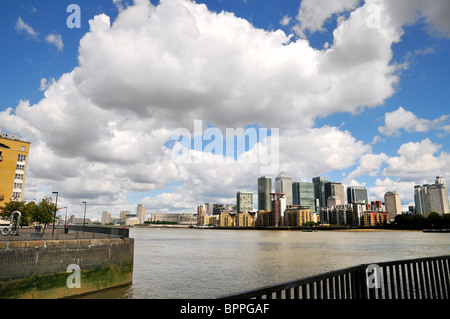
x=402, y=119
x=313, y=13
x=417, y=162
x=21, y=26
x=56, y=40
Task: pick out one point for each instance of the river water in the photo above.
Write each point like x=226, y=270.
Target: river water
x=205, y=263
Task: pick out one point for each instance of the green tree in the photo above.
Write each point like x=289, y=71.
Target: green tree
x=45, y=209
x=434, y=220
x=12, y=206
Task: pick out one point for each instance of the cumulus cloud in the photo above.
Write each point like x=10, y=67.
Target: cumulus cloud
x=417, y=161
x=403, y=120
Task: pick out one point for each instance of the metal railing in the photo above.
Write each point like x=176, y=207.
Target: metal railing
x=423, y=278
x=113, y=231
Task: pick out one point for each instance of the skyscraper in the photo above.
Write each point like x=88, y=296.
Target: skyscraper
x=303, y=194
x=357, y=194
x=283, y=185
x=264, y=190
x=392, y=204
x=336, y=190
x=244, y=202
x=420, y=199
x=319, y=190
x=13, y=164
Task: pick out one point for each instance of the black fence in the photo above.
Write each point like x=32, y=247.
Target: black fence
x=122, y=232
x=424, y=278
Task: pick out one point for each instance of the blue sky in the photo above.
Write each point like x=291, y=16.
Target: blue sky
x=29, y=61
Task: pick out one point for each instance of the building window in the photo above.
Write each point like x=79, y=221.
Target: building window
x=23, y=148
x=16, y=195
x=18, y=185
x=21, y=157
x=18, y=176
x=20, y=167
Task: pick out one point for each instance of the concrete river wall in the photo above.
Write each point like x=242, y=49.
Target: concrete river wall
x=49, y=269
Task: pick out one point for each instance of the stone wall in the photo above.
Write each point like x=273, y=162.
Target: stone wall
x=39, y=269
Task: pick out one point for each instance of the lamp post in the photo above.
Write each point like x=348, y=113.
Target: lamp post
x=54, y=215
x=84, y=218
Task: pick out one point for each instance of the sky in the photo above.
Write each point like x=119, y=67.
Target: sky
x=128, y=102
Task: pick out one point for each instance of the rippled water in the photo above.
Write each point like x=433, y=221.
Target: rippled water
x=196, y=263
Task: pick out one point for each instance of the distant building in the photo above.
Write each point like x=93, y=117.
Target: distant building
x=297, y=217
x=106, y=218
x=392, y=204
x=420, y=199
x=13, y=166
x=264, y=191
x=336, y=190
x=357, y=194
x=244, y=202
x=140, y=213
x=319, y=191
x=431, y=197
x=303, y=194
x=278, y=207
x=283, y=185
x=437, y=198
x=333, y=201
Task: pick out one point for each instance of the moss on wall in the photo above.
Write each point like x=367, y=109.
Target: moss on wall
x=53, y=286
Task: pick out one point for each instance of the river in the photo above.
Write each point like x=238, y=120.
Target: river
x=205, y=263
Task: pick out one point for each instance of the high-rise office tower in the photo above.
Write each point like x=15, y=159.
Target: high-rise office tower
x=319, y=190
x=336, y=190
x=392, y=204
x=244, y=202
x=303, y=194
x=278, y=208
x=437, y=199
x=264, y=191
x=357, y=194
x=283, y=185
x=420, y=199
x=13, y=165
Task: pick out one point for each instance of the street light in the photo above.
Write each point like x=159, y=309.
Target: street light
x=84, y=218
x=54, y=215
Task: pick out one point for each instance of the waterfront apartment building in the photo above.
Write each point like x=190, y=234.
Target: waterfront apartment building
x=437, y=199
x=13, y=165
x=283, y=185
x=336, y=190
x=244, y=202
x=431, y=197
x=297, y=217
x=319, y=191
x=357, y=194
x=264, y=191
x=392, y=204
x=303, y=194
